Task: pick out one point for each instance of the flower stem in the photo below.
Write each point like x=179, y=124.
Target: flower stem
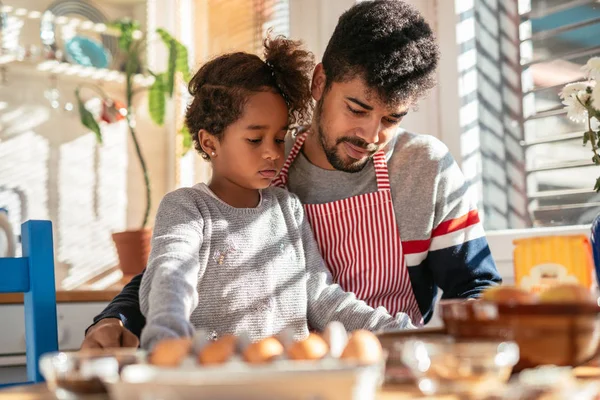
x=590, y=113
x=593, y=138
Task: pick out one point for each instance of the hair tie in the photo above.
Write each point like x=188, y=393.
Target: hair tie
x=272, y=68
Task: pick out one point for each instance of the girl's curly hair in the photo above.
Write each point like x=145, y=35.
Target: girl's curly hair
x=222, y=86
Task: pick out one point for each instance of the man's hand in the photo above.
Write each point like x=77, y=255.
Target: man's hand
x=109, y=333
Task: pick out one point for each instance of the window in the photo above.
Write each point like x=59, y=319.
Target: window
x=238, y=25
x=523, y=157
x=557, y=37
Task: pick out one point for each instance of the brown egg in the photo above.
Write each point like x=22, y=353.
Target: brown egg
x=567, y=293
x=219, y=351
x=263, y=351
x=363, y=347
x=311, y=348
x=170, y=352
x=508, y=295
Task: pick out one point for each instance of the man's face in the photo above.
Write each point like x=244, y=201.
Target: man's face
x=352, y=123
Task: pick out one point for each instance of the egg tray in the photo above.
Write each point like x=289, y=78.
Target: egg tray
x=327, y=378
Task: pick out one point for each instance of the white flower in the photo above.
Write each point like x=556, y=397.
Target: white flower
x=572, y=88
x=576, y=110
x=574, y=96
x=592, y=68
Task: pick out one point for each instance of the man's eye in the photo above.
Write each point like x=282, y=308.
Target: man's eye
x=254, y=140
x=357, y=112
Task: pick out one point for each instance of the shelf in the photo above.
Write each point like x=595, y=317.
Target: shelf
x=80, y=24
x=71, y=72
x=34, y=64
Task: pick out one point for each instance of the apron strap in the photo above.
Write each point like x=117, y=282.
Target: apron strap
x=381, y=171
x=282, y=178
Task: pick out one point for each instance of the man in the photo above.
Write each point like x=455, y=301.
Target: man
x=387, y=207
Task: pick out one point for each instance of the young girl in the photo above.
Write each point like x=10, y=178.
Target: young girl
x=237, y=256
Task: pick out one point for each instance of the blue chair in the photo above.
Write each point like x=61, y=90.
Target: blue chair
x=33, y=275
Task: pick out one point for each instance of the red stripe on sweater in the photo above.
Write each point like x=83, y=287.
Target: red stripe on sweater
x=456, y=224
x=415, y=246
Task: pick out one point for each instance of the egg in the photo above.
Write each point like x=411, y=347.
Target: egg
x=336, y=337
x=170, y=352
x=263, y=351
x=363, y=347
x=219, y=351
x=311, y=348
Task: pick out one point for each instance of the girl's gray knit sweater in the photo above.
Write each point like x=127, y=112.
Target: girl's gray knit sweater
x=242, y=270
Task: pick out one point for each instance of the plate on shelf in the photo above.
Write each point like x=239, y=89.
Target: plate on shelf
x=87, y=52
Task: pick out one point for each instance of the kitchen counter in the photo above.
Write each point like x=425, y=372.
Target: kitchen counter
x=67, y=296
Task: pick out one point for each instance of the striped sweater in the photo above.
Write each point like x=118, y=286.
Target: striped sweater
x=442, y=236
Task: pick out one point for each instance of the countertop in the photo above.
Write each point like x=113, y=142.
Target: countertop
x=67, y=296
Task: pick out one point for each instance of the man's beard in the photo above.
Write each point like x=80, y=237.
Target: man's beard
x=331, y=152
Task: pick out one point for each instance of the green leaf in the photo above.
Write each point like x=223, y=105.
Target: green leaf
x=126, y=27
x=172, y=62
x=187, y=139
x=156, y=100
x=596, y=159
x=597, y=186
x=182, y=62
x=586, y=137
x=87, y=118
x=180, y=54
x=170, y=84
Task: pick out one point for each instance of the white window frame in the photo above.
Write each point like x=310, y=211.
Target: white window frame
x=500, y=241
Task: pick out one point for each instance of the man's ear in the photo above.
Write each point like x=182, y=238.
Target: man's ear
x=318, y=82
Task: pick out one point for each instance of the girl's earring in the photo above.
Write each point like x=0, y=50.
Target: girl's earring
x=213, y=154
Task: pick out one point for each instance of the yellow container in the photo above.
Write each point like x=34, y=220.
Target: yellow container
x=540, y=262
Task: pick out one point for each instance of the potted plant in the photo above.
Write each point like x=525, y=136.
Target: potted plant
x=133, y=246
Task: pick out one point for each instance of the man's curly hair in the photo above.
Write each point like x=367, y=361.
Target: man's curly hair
x=222, y=86
x=389, y=45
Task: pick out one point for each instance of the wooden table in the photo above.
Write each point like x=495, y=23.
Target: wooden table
x=389, y=392
x=40, y=392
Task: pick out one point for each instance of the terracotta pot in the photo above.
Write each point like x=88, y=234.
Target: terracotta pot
x=133, y=248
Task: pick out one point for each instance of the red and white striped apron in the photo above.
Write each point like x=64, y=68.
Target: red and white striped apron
x=360, y=242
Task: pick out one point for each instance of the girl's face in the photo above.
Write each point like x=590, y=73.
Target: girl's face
x=250, y=153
